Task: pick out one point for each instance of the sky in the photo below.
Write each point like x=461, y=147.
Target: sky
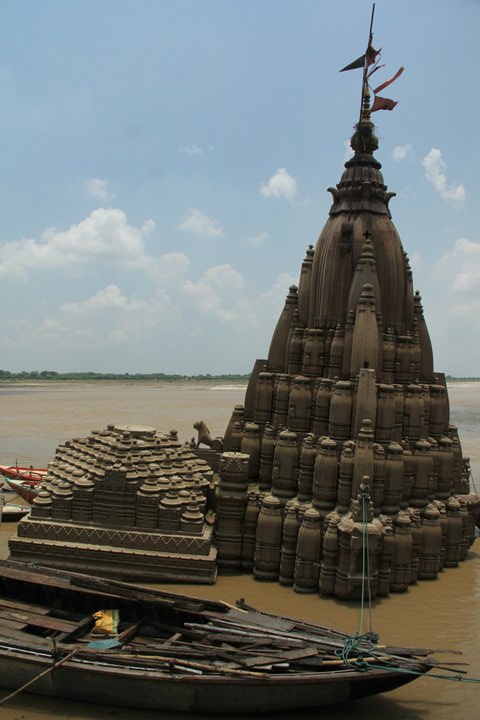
x=165, y=165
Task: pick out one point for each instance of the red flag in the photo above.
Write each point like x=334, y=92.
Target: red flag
x=371, y=53
x=381, y=103
x=389, y=82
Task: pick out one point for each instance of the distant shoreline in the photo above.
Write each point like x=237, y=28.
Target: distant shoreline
x=7, y=377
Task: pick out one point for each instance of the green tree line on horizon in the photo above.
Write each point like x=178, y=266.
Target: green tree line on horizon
x=53, y=375
x=166, y=377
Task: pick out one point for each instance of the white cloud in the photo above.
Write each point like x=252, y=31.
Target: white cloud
x=225, y=276
x=258, y=239
x=110, y=319
x=169, y=268
x=459, y=269
x=191, y=150
x=451, y=298
x=278, y=292
x=280, y=185
x=416, y=261
x=167, y=316
x=218, y=293
x=435, y=172
x=104, y=234
x=199, y=224
x=110, y=298
x=401, y=151
x=98, y=188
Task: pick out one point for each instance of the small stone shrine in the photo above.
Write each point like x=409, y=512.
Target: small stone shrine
x=344, y=440
x=125, y=502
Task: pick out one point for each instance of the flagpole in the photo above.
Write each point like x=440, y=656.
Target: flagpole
x=365, y=64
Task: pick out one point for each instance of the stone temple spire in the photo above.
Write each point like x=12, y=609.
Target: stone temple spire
x=351, y=351
x=360, y=206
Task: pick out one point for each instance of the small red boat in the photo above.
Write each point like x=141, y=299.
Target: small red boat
x=23, y=473
x=24, y=481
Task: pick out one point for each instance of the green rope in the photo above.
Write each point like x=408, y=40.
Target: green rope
x=365, y=645
x=471, y=480
x=455, y=678
x=359, y=646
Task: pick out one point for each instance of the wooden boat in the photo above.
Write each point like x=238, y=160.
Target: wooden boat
x=12, y=511
x=177, y=653
x=26, y=489
x=24, y=481
x=23, y=473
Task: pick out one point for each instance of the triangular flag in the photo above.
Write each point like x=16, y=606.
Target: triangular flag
x=370, y=56
x=358, y=63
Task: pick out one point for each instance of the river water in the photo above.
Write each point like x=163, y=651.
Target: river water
x=445, y=613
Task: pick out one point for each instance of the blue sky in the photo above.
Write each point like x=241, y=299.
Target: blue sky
x=165, y=166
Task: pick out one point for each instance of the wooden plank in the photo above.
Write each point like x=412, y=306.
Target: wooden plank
x=181, y=663
x=80, y=628
x=12, y=624
x=173, y=638
x=126, y=634
x=312, y=630
x=274, y=635
x=23, y=606
x=236, y=637
x=259, y=660
x=118, y=590
x=37, y=578
x=272, y=622
x=43, y=621
x=24, y=639
x=249, y=633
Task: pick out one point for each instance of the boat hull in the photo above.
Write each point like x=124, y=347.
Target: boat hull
x=26, y=489
x=178, y=653
x=23, y=473
x=12, y=512
x=91, y=681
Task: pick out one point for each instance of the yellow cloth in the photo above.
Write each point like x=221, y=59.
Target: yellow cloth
x=106, y=622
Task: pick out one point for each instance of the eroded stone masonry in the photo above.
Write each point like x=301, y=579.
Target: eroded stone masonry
x=344, y=436
x=126, y=501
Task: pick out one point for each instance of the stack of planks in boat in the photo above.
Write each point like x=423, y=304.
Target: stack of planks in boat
x=174, y=652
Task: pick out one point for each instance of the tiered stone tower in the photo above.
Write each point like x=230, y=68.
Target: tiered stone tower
x=346, y=422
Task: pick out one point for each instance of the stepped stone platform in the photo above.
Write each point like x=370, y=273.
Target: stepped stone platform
x=126, y=502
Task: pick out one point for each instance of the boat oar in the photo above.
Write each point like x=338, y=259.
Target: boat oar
x=37, y=677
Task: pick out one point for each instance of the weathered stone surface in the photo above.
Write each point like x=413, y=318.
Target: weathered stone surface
x=126, y=502
x=355, y=410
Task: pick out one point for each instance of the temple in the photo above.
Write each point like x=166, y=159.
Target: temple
x=125, y=502
x=341, y=469
x=346, y=422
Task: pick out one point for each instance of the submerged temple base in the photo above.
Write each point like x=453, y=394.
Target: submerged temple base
x=334, y=551
x=126, y=502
